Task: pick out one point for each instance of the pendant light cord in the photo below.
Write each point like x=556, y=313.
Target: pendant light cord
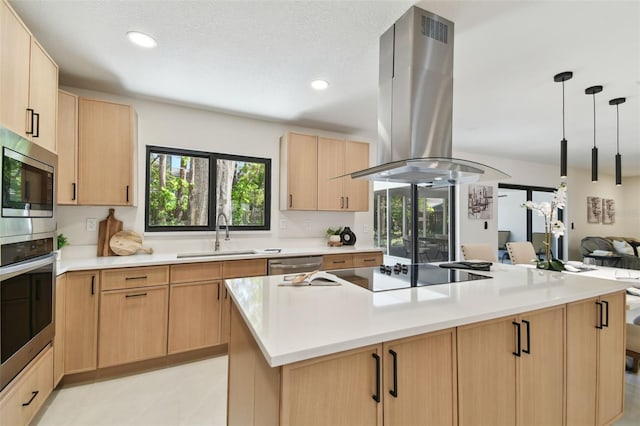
x=594, y=120
x=563, y=110
x=617, y=130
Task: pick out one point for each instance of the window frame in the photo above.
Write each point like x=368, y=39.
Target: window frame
x=212, y=201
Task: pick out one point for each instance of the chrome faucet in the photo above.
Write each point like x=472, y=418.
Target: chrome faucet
x=226, y=236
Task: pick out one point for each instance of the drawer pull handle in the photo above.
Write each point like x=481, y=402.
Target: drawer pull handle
x=31, y=112
x=73, y=186
x=376, y=396
x=36, y=133
x=606, y=315
x=93, y=285
x=33, y=396
x=528, y=350
x=394, y=391
x=339, y=261
x=518, y=351
x=136, y=295
x=143, y=277
x=368, y=260
x=599, y=319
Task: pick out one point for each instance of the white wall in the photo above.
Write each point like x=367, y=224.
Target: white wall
x=176, y=126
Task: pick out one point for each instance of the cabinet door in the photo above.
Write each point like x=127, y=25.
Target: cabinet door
x=301, y=168
x=611, y=358
x=194, y=316
x=420, y=380
x=43, y=96
x=487, y=373
x=67, y=171
x=331, y=164
x=225, y=326
x=81, y=321
x=337, y=261
x=541, y=380
x=333, y=390
x=58, y=341
x=133, y=325
x=105, y=144
x=582, y=337
x=356, y=191
x=15, y=46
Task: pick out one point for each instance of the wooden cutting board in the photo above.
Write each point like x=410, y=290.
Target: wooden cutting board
x=125, y=243
x=107, y=229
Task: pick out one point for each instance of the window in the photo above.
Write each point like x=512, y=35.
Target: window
x=179, y=190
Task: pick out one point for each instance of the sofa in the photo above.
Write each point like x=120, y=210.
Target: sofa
x=627, y=261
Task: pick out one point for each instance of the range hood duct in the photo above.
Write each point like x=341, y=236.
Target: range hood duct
x=415, y=103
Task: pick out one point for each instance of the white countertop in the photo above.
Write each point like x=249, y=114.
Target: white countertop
x=66, y=265
x=296, y=323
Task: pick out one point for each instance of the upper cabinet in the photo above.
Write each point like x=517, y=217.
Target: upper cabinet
x=28, y=83
x=298, y=172
x=67, y=182
x=309, y=166
x=337, y=157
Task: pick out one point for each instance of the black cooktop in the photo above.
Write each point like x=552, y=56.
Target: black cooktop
x=398, y=276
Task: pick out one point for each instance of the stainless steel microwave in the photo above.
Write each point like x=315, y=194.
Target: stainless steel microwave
x=28, y=187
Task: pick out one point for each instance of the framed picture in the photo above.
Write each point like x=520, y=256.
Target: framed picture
x=608, y=211
x=480, y=202
x=594, y=209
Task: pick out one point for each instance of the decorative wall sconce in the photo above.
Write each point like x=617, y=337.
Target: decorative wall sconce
x=561, y=78
x=616, y=102
x=594, y=151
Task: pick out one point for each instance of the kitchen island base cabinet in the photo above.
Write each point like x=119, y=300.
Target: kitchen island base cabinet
x=511, y=370
x=595, y=360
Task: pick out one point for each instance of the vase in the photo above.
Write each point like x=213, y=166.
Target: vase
x=334, y=238
x=347, y=237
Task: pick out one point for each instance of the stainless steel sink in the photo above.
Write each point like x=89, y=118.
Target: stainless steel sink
x=216, y=253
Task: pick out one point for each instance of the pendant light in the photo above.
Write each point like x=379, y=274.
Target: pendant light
x=594, y=151
x=561, y=78
x=616, y=102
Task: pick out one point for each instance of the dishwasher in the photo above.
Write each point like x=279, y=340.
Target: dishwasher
x=294, y=265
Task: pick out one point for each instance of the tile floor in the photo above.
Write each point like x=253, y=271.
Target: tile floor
x=188, y=394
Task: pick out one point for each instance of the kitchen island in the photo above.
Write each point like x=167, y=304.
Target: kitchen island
x=524, y=347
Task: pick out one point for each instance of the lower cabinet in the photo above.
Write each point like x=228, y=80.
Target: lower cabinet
x=133, y=325
x=595, y=360
x=81, y=321
x=58, y=341
x=194, y=316
x=24, y=396
x=511, y=370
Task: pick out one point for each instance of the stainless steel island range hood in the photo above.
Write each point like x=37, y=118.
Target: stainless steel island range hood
x=415, y=102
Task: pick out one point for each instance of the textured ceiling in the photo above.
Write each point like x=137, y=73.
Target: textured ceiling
x=258, y=58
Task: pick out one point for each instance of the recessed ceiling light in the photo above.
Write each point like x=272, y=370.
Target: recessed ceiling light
x=141, y=39
x=319, y=84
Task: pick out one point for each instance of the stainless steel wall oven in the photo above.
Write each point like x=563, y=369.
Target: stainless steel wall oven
x=27, y=263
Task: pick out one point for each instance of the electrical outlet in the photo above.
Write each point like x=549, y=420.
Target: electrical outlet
x=306, y=224
x=365, y=228
x=283, y=223
x=92, y=224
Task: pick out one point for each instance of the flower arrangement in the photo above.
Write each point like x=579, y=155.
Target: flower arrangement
x=551, y=224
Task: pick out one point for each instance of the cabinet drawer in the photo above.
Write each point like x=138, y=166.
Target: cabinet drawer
x=194, y=272
x=25, y=395
x=337, y=261
x=367, y=259
x=114, y=279
x=244, y=268
x=133, y=325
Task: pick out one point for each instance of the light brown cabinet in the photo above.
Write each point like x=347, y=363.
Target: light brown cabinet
x=511, y=370
x=133, y=325
x=134, y=306
x=67, y=173
x=337, y=157
x=106, y=142
x=595, y=360
x=194, y=306
x=351, y=260
x=24, y=396
x=58, y=341
x=81, y=321
x=298, y=172
x=28, y=83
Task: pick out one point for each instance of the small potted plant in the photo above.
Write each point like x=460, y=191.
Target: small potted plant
x=333, y=234
x=61, y=242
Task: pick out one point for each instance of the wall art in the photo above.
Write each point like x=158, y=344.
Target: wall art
x=480, y=202
x=608, y=211
x=594, y=210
